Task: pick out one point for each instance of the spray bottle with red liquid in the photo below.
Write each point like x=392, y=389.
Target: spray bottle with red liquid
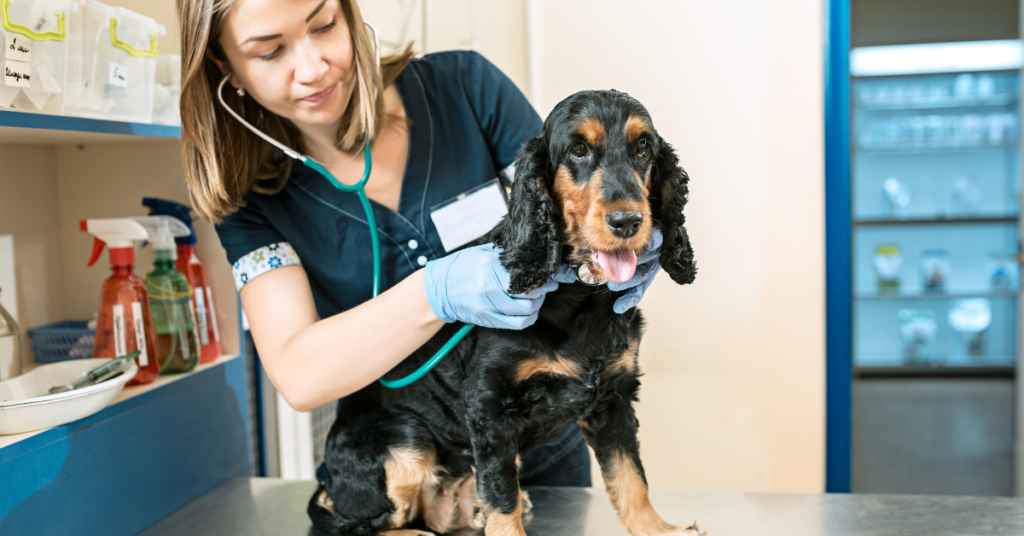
x=125, y=322
x=190, y=265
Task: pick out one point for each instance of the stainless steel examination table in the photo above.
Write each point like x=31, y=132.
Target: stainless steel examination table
x=272, y=507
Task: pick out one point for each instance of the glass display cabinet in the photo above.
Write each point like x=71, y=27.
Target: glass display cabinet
x=935, y=194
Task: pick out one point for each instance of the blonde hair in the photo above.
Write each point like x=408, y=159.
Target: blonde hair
x=223, y=160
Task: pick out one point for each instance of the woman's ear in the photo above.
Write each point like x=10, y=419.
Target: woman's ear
x=668, y=197
x=224, y=69
x=528, y=235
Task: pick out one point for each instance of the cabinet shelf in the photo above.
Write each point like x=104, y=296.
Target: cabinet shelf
x=925, y=371
x=885, y=222
x=42, y=129
x=941, y=102
x=862, y=150
x=933, y=295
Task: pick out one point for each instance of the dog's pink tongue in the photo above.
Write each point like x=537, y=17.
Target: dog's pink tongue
x=618, y=265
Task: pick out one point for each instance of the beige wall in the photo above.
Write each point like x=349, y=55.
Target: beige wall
x=28, y=211
x=733, y=398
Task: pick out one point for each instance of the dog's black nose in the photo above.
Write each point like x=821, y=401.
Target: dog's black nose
x=624, y=224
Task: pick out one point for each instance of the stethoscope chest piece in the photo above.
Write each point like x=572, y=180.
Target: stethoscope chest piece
x=583, y=275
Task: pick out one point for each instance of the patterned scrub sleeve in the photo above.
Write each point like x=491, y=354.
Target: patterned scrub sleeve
x=263, y=260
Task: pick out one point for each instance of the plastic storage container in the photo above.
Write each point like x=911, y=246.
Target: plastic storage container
x=33, y=36
x=71, y=339
x=167, y=93
x=111, y=59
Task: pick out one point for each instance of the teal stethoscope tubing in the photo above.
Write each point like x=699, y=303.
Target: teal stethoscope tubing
x=360, y=190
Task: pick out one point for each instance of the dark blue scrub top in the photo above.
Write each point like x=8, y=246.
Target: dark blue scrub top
x=468, y=121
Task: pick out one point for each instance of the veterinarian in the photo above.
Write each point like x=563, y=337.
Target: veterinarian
x=305, y=73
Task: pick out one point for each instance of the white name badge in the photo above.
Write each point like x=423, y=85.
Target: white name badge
x=469, y=215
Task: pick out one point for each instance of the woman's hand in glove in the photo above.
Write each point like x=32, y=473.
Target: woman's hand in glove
x=471, y=286
x=646, y=268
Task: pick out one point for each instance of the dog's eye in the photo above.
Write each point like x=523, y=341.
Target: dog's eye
x=580, y=149
x=643, y=149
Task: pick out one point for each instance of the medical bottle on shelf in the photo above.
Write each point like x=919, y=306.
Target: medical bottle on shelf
x=190, y=265
x=170, y=298
x=125, y=322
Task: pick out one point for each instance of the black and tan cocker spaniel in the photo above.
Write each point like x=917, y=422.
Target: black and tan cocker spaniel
x=440, y=455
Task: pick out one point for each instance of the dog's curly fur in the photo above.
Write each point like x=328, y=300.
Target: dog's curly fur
x=442, y=453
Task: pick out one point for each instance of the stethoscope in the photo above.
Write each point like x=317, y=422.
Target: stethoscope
x=360, y=190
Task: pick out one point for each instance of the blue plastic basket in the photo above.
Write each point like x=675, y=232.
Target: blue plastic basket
x=62, y=341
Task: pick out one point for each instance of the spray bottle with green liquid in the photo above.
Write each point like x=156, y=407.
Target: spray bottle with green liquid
x=170, y=297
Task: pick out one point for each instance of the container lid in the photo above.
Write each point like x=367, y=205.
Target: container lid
x=127, y=16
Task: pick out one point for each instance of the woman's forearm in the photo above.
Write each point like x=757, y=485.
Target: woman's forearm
x=334, y=357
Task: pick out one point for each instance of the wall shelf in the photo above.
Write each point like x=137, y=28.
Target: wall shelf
x=41, y=129
x=125, y=395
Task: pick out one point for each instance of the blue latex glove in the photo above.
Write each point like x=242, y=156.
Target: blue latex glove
x=471, y=286
x=646, y=268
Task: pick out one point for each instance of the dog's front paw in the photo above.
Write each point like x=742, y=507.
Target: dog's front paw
x=527, y=505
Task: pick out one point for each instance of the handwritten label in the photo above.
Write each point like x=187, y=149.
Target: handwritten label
x=120, y=348
x=18, y=48
x=200, y=305
x=118, y=75
x=17, y=73
x=140, y=334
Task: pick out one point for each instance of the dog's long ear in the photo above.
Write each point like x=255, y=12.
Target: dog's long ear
x=668, y=197
x=528, y=235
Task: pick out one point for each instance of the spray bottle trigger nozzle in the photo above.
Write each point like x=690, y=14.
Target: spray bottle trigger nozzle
x=97, y=250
